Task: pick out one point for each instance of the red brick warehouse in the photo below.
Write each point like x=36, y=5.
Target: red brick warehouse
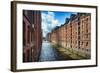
x=74, y=34
x=31, y=35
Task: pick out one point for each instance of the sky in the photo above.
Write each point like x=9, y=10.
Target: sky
x=52, y=19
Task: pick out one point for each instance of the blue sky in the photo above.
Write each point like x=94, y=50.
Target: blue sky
x=52, y=19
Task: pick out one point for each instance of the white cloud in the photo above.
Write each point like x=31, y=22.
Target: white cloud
x=54, y=23
x=48, y=22
x=51, y=13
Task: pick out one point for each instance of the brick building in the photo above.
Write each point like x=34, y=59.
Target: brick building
x=75, y=33
x=85, y=32
x=54, y=36
x=31, y=35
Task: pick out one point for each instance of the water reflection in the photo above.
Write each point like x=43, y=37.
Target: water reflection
x=48, y=53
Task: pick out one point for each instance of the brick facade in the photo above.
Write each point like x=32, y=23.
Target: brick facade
x=75, y=33
x=85, y=32
x=31, y=35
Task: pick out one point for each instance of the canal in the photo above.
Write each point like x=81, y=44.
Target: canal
x=48, y=53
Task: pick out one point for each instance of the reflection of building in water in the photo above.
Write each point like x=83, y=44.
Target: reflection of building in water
x=74, y=34
x=31, y=35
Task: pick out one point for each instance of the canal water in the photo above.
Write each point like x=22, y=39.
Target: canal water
x=48, y=53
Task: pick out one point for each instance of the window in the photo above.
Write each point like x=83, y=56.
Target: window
x=87, y=30
x=82, y=43
x=86, y=19
x=86, y=43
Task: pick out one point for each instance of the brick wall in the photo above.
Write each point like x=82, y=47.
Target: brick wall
x=31, y=35
x=75, y=33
